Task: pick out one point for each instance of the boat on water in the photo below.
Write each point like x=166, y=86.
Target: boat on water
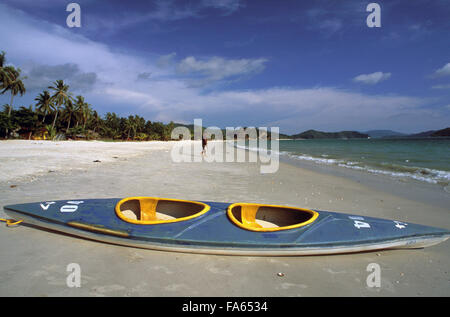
x=223, y=228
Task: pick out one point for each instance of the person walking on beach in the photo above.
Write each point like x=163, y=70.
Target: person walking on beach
x=204, y=144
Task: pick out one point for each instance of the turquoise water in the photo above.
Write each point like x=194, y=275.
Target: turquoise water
x=425, y=160
x=422, y=159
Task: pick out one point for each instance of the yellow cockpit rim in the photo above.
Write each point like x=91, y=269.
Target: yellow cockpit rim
x=267, y=218
x=155, y=210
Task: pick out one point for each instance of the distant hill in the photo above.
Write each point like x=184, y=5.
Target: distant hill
x=425, y=134
x=443, y=132
x=313, y=134
x=431, y=134
x=383, y=133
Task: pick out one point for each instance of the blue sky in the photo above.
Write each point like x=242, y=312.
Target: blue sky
x=298, y=65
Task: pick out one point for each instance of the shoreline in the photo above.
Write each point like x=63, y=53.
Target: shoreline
x=434, y=194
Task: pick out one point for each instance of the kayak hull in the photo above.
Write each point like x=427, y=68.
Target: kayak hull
x=214, y=233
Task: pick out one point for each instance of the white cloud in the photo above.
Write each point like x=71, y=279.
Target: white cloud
x=166, y=60
x=373, y=78
x=228, y=6
x=335, y=19
x=218, y=68
x=167, y=11
x=330, y=25
x=443, y=71
x=444, y=86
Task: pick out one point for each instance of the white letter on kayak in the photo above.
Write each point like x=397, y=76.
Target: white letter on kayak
x=360, y=224
x=68, y=208
x=45, y=207
x=75, y=202
x=400, y=225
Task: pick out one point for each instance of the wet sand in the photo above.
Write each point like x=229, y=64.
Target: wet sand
x=33, y=262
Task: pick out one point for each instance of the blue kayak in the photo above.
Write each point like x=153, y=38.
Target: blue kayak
x=223, y=228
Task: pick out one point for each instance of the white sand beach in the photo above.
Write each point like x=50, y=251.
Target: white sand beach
x=34, y=262
x=23, y=158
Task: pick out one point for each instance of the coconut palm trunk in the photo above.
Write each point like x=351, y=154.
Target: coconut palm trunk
x=11, y=104
x=54, y=120
x=68, y=122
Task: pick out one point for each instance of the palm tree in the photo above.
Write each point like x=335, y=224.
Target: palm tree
x=140, y=123
x=83, y=110
x=69, y=111
x=15, y=84
x=60, y=97
x=112, y=126
x=167, y=131
x=96, y=121
x=4, y=74
x=11, y=81
x=27, y=120
x=6, y=108
x=130, y=124
x=44, y=104
x=79, y=101
x=86, y=113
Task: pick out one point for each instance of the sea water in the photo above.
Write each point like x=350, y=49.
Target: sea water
x=425, y=160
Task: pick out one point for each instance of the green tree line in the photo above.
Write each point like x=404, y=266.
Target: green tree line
x=57, y=113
